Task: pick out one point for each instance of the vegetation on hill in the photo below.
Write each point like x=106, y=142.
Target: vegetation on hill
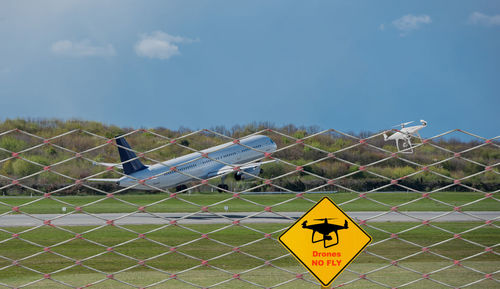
x=50, y=155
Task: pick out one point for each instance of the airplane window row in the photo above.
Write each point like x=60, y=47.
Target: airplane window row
x=187, y=167
x=183, y=168
x=230, y=154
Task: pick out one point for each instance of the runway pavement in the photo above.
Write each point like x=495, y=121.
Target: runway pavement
x=81, y=219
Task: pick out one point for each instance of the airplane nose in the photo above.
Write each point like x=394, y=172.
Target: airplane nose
x=273, y=145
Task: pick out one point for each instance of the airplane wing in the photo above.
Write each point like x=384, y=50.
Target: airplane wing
x=228, y=169
x=118, y=166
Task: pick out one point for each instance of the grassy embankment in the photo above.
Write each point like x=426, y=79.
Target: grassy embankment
x=233, y=262
x=165, y=204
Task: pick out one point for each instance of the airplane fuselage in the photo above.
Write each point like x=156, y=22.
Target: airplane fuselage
x=194, y=166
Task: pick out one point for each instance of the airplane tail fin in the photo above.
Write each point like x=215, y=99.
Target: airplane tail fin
x=130, y=162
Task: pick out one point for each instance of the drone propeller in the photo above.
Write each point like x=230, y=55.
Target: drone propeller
x=323, y=219
x=403, y=124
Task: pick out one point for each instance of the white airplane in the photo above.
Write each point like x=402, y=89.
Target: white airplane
x=212, y=162
x=405, y=134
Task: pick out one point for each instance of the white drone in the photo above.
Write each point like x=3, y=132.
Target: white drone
x=405, y=134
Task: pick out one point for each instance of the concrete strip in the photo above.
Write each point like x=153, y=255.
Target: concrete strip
x=12, y=220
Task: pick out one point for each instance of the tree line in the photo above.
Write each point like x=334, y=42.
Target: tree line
x=41, y=153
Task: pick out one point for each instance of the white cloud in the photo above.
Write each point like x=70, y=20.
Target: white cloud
x=483, y=19
x=411, y=22
x=381, y=27
x=82, y=48
x=160, y=45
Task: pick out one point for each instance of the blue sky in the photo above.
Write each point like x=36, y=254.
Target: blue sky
x=349, y=65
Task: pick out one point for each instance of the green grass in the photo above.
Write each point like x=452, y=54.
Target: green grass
x=281, y=202
x=188, y=242
x=392, y=276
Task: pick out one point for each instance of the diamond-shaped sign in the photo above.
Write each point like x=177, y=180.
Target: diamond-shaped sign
x=325, y=240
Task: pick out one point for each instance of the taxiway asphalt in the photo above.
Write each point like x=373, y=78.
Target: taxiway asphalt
x=82, y=219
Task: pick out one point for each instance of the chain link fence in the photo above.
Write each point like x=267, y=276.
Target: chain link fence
x=433, y=214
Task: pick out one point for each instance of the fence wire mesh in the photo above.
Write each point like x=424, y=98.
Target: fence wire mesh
x=433, y=214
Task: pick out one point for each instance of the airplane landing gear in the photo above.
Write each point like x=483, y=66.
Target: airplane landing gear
x=222, y=187
x=180, y=188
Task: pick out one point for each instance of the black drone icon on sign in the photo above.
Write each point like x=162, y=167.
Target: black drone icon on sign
x=325, y=229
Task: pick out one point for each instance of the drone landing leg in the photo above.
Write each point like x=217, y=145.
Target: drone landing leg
x=314, y=232
x=324, y=241
x=419, y=136
x=407, y=147
x=410, y=146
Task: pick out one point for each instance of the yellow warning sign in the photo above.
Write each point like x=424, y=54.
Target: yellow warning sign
x=325, y=240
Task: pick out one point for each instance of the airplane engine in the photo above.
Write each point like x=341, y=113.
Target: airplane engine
x=250, y=173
